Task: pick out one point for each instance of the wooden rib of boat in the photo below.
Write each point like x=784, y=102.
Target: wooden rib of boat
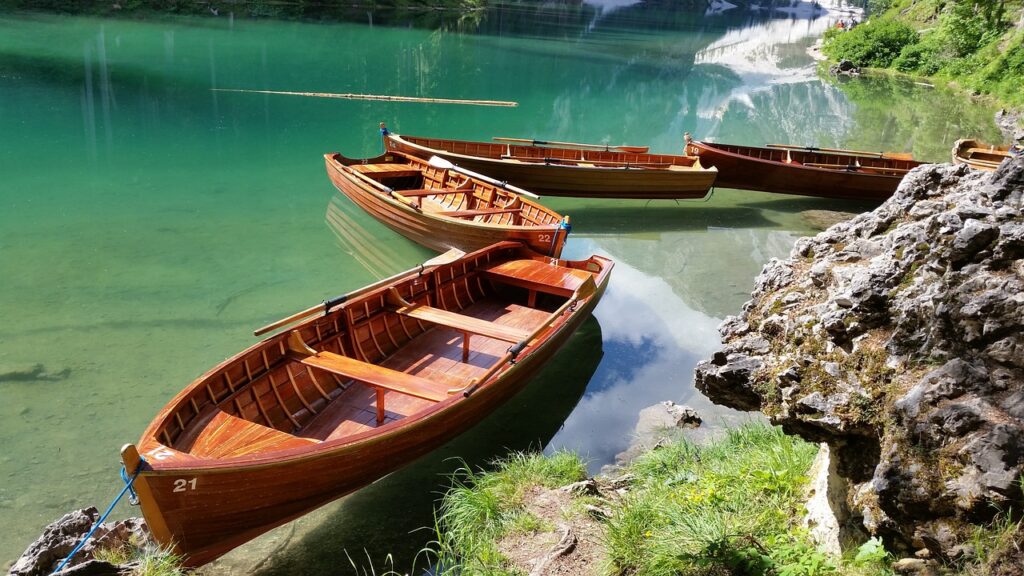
x=566, y=171
x=979, y=155
x=380, y=377
x=441, y=208
x=825, y=173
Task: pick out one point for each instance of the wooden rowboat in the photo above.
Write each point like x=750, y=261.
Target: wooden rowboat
x=821, y=172
x=442, y=208
x=375, y=379
x=567, y=171
x=979, y=155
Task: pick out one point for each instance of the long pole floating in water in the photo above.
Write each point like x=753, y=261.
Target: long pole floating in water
x=375, y=97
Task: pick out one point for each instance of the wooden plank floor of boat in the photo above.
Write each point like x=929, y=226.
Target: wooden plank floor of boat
x=437, y=355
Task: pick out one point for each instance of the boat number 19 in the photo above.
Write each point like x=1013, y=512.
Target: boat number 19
x=181, y=484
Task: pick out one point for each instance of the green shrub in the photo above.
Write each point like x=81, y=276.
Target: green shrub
x=920, y=57
x=875, y=43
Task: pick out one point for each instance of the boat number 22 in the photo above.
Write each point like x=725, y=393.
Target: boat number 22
x=544, y=237
x=181, y=484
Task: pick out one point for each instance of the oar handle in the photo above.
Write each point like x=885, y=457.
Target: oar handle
x=322, y=307
x=621, y=148
x=326, y=306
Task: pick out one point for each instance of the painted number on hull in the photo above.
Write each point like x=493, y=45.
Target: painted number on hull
x=544, y=237
x=181, y=484
x=160, y=453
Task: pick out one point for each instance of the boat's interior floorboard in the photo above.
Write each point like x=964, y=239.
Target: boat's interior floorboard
x=437, y=355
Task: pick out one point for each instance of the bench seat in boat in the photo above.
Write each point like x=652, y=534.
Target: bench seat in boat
x=226, y=436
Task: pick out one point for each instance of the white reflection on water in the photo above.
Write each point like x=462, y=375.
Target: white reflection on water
x=653, y=339
x=772, y=52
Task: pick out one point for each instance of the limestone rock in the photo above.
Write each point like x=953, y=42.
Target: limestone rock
x=897, y=338
x=61, y=537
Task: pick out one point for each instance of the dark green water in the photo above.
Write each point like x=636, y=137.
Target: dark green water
x=148, y=224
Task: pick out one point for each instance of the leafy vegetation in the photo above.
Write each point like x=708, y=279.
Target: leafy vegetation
x=147, y=559
x=726, y=508
x=481, y=507
x=978, y=44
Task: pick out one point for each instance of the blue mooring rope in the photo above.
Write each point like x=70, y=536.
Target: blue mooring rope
x=134, y=498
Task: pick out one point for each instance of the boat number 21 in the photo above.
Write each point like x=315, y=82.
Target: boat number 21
x=181, y=484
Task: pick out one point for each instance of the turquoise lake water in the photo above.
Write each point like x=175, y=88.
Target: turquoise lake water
x=149, y=224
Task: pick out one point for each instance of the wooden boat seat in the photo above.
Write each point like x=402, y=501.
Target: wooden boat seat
x=226, y=436
x=468, y=325
x=477, y=212
x=536, y=276
x=381, y=378
x=380, y=171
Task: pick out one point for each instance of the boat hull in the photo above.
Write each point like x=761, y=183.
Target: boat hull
x=979, y=155
x=204, y=508
x=436, y=233
x=765, y=175
x=553, y=179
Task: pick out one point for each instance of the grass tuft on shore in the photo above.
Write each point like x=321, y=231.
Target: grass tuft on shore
x=481, y=507
x=145, y=559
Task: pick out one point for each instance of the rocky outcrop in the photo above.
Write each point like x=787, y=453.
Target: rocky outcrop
x=1011, y=124
x=897, y=338
x=844, y=68
x=61, y=537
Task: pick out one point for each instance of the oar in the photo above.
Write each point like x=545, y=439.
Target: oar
x=885, y=155
x=384, y=97
x=438, y=162
x=632, y=149
x=325, y=306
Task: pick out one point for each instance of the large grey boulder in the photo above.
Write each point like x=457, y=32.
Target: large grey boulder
x=897, y=338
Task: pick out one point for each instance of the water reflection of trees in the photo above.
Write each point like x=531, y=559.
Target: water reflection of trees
x=894, y=113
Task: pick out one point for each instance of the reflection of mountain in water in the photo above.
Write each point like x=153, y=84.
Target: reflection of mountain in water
x=395, y=515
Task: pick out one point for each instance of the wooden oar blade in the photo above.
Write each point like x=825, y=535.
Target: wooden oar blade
x=446, y=258
x=587, y=289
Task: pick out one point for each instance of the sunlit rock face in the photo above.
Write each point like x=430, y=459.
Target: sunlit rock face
x=898, y=338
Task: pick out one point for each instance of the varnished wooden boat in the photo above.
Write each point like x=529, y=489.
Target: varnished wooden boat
x=378, y=378
x=979, y=155
x=443, y=208
x=825, y=173
x=567, y=171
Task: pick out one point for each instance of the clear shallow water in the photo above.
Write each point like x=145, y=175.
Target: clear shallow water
x=147, y=224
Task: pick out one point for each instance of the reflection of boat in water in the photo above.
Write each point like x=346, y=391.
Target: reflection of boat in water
x=567, y=171
x=375, y=256
x=979, y=155
x=405, y=499
x=821, y=172
x=444, y=208
x=381, y=377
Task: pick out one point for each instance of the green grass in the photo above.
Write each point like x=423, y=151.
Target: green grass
x=730, y=507
x=151, y=560
x=481, y=507
x=721, y=508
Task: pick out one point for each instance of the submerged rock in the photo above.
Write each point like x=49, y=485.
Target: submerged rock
x=897, y=338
